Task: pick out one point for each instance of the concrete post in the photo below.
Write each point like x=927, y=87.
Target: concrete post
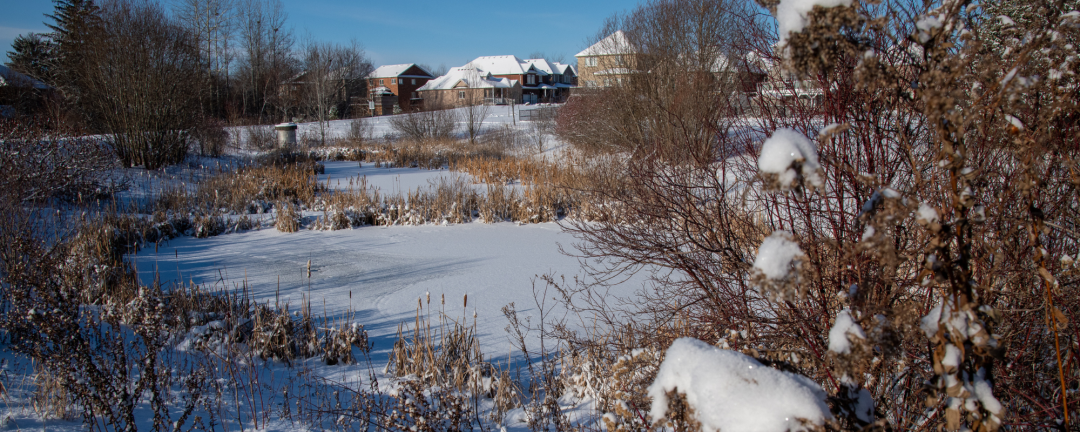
x=286, y=133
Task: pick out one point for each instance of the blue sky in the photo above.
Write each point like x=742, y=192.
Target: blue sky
x=432, y=32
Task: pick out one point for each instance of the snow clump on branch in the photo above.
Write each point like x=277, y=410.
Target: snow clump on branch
x=791, y=15
x=776, y=255
x=730, y=391
x=789, y=157
x=842, y=331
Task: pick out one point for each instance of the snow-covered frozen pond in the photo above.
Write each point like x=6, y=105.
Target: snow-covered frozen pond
x=341, y=175
x=386, y=269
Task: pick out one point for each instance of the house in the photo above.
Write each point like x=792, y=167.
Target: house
x=337, y=85
x=538, y=77
x=394, y=88
x=558, y=81
x=467, y=85
x=783, y=93
x=608, y=61
x=20, y=93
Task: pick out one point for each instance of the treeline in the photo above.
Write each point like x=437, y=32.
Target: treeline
x=161, y=80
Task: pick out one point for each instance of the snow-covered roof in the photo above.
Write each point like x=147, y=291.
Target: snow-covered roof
x=394, y=71
x=500, y=65
x=471, y=77
x=616, y=43
x=542, y=65
x=563, y=68
x=13, y=78
x=382, y=90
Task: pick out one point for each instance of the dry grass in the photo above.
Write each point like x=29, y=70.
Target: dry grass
x=448, y=355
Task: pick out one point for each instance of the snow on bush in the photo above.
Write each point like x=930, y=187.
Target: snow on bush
x=842, y=331
x=787, y=155
x=730, y=391
x=776, y=255
x=791, y=15
x=927, y=214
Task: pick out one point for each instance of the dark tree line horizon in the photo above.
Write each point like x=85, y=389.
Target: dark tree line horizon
x=156, y=78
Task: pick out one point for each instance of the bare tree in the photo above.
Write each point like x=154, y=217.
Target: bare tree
x=140, y=79
x=671, y=73
x=266, y=46
x=212, y=22
x=541, y=126
x=330, y=72
x=473, y=114
x=431, y=124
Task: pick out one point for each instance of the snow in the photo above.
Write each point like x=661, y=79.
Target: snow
x=791, y=15
x=730, y=391
x=393, y=71
x=776, y=254
x=542, y=65
x=927, y=214
x=783, y=148
x=842, y=331
x=343, y=175
x=1015, y=122
x=473, y=77
x=380, y=272
x=616, y=43
x=500, y=65
x=953, y=357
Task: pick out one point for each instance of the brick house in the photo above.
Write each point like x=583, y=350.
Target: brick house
x=393, y=88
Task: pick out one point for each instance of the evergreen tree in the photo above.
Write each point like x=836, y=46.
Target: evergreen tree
x=33, y=55
x=76, y=26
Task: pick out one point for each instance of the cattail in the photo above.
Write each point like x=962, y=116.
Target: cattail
x=428, y=295
x=466, y=299
x=443, y=299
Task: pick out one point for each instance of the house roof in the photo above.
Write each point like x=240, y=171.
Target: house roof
x=501, y=65
x=543, y=66
x=10, y=77
x=394, y=71
x=616, y=43
x=381, y=90
x=563, y=68
x=472, y=77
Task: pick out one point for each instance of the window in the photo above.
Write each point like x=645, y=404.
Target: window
x=380, y=82
x=532, y=79
x=414, y=81
x=393, y=80
x=461, y=95
x=590, y=61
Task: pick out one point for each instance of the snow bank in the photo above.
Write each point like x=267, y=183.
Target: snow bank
x=730, y=391
x=791, y=14
x=775, y=256
x=785, y=147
